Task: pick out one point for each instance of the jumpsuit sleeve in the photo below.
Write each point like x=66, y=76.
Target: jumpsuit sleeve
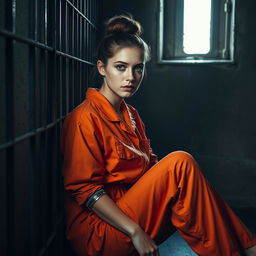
x=83, y=167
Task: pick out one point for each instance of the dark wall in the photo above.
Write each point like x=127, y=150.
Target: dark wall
x=208, y=110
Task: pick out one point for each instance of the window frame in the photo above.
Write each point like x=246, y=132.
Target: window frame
x=216, y=54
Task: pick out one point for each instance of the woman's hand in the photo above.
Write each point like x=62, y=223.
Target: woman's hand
x=144, y=244
x=107, y=210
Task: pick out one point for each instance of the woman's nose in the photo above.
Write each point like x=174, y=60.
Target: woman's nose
x=130, y=75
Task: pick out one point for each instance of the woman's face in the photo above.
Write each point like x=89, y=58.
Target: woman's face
x=123, y=73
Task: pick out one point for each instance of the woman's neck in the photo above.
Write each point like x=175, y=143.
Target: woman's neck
x=114, y=99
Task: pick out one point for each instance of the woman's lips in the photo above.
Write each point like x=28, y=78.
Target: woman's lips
x=128, y=87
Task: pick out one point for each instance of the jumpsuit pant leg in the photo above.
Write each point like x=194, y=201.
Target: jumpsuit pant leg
x=174, y=195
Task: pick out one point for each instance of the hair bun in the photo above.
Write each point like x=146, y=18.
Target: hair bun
x=123, y=24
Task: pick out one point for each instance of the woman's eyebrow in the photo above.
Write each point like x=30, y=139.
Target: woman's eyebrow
x=119, y=61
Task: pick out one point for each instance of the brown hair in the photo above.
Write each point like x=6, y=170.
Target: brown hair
x=123, y=24
x=121, y=31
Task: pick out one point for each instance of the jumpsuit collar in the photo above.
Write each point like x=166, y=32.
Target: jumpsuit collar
x=107, y=109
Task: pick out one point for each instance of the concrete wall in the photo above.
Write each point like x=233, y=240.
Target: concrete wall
x=208, y=110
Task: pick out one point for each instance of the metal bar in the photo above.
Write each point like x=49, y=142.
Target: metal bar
x=89, y=29
x=44, y=232
x=60, y=196
x=227, y=11
x=72, y=67
x=32, y=68
x=43, y=85
x=89, y=10
x=35, y=21
x=69, y=63
x=83, y=39
x=41, y=21
x=49, y=86
x=87, y=40
x=4, y=204
x=9, y=61
x=54, y=175
x=89, y=43
x=46, y=105
x=209, y=61
x=34, y=145
x=45, y=22
x=37, y=69
x=58, y=28
x=37, y=87
x=82, y=15
x=9, y=202
x=43, y=250
x=93, y=13
x=75, y=85
x=41, y=46
x=68, y=96
x=32, y=124
x=47, y=188
x=64, y=85
x=72, y=32
x=56, y=58
x=160, y=31
x=70, y=90
x=79, y=50
x=9, y=87
x=31, y=204
x=24, y=40
x=54, y=109
x=86, y=8
x=78, y=35
x=29, y=134
x=60, y=86
x=66, y=22
x=58, y=93
x=96, y=13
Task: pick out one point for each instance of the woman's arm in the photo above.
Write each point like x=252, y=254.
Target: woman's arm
x=107, y=210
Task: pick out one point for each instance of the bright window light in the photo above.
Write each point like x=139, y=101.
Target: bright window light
x=197, y=25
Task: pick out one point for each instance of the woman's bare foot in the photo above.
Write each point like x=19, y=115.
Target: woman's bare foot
x=251, y=251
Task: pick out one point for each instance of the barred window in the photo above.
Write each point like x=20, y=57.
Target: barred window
x=196, y=31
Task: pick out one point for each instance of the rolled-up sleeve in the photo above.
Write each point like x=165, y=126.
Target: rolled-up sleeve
x=83, y=166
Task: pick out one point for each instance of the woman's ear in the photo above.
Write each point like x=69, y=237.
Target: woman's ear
x=101, y=67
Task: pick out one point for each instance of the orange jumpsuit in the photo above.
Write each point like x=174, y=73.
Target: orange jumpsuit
x=102, y=151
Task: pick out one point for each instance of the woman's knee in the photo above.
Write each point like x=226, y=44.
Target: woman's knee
x=181, y=155
x=177, y=161
x=182, y=161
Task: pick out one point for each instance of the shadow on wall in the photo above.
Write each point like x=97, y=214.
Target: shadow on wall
x=207, y=110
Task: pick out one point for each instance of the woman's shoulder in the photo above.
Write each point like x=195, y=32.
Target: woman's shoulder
x=82, y=113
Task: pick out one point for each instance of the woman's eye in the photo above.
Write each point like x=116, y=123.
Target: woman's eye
x=120, y=67
x=139, y=69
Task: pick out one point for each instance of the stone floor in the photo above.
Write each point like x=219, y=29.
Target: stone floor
x=176, y=246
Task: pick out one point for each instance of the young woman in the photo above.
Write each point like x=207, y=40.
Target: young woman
x=120, y=201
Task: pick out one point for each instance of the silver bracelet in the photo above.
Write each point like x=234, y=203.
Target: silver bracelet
x=94, y=198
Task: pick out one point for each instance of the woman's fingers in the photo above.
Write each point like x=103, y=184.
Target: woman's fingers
x=144, y=244
x=157, y=251
x=153, y=252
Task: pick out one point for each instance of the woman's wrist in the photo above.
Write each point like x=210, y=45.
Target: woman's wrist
x=135, y=229
x=107, y=210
